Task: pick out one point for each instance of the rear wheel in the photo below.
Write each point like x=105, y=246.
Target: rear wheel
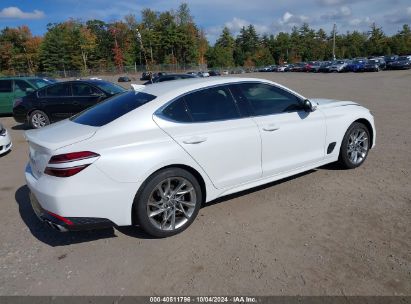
x=355, y=146
x=168, y=202
x=38, y=119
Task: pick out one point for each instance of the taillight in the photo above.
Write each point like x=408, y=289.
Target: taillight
x=69, y=164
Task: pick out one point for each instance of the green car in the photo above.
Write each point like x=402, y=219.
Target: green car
x=15, y=87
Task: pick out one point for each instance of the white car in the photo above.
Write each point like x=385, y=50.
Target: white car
x=5, y=141
x=152, y=156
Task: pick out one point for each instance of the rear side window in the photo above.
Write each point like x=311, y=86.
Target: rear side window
x=177, y=111
x=112, y=108
x=21, y=85
x=82, y=89
x=211, y=104
x=61, y=89
x=6, y=86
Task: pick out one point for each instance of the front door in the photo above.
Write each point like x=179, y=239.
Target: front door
x=291, y=137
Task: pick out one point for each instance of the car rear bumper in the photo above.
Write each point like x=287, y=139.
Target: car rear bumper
x=20, y=114
x=87, y=199
x=64, y=224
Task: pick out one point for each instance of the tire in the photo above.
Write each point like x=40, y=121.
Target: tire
x=355, y=146
x=162, y=204
x=38, y=119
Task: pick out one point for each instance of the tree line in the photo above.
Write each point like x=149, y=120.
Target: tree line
x=172, y=37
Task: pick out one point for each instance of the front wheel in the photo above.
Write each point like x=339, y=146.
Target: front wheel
x=168, y=202
x=38, y=119
x=355, y=146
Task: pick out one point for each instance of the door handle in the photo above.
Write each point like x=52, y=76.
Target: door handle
x=195, y=140
x=270, y=128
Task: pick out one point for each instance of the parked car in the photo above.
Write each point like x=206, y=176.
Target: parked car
x=338, y=66
x=15, y=87
x=203, y=74
x=299, y=67
x=154, y=156
x=373, y=65
x=389, y=60
x=5, y=140
x=284, y=68
x=356, y=65
x=124, y=79
x=214, y=73
x=146, y=76
x=325, y=67
x=402, y=63
x=316, y=67
x=61, y=100
x=169, y=77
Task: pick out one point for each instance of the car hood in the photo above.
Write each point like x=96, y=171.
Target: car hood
x=323, y=103
x=60, y=134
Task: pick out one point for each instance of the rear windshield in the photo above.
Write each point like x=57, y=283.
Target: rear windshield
x=39, y=83
x=112, y=108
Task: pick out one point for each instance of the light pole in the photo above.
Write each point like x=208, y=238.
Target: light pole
x=140, y=39
x=334, y=29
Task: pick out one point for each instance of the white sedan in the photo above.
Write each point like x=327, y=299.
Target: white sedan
x=151, y=157
x=5, y=141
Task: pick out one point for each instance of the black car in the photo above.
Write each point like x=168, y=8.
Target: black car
x=390, y=60
x=373, y=65
x=214, y=73
x=169, y=77
x=402, y=63
x=61, y=100
x=124, y=79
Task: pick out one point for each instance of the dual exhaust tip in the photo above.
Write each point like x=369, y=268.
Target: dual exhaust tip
x=55, y=226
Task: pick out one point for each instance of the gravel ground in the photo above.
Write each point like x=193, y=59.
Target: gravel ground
x=325, y=232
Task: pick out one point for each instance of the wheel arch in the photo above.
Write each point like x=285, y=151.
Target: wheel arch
x=189, y=169
x=369, y=127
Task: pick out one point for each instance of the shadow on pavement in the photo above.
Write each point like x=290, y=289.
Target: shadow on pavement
x=48, y=235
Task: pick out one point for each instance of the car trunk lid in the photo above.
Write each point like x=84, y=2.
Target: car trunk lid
x=44, y=142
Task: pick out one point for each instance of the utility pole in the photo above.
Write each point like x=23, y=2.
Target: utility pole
x=334, y=30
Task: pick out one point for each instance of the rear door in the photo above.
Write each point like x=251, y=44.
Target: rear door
x=6, y=96
x=57, y=102
x=291, y=137
x=209, y=126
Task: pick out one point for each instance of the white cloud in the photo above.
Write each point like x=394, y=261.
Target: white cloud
x=13, y=12
x=344, y=12
x=291, y=19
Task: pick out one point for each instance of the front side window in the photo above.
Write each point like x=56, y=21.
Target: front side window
x=211, y=104
x=6, y=86
x=267, y=99
x=112, y=108
x=58, y=90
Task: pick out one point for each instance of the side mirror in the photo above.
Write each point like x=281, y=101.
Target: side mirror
x=29, y=90
x=308, y=106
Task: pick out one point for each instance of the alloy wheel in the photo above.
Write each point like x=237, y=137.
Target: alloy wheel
x=172, y=203
x=357, y=147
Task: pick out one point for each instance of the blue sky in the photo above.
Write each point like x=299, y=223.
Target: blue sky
x=211, y=15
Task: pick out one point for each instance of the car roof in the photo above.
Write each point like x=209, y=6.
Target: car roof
x=176, y=88
x=20, y=77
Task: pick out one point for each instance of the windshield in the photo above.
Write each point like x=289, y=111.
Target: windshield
x=112, y=108
x=403, y=58
x=110, y=87
x=39, y=83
